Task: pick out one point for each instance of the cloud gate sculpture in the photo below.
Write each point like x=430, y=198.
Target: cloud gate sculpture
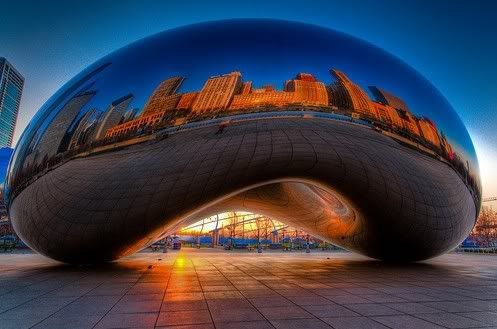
x=292, y=121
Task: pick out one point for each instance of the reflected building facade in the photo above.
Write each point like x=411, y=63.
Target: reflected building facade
x=51, y=141
x=82, y=126
x=384, y=97
x=217, y=93
x=186, y=101
x=164, y=96
x=304, y=90
x=365, y=168
x=228, y=94
x=348, y=95
x=113, y=115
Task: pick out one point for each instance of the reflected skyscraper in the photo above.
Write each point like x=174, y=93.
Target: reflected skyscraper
x=387, y=98
x=81, y=126
x=11, y=86
x=217, y=92
x=113, y=115
x=164, y=96
x=51, y=140
x=347, y=95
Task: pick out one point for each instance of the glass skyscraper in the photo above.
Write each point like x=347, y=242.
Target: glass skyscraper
x=11, y=84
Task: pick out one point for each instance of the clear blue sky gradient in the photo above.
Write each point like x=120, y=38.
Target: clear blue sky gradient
x=452, y=43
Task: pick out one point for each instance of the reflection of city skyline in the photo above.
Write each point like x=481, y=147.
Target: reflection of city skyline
x=226, y=95
x=229, y=94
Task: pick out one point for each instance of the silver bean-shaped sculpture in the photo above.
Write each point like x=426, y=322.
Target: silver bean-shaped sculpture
x=293, y=121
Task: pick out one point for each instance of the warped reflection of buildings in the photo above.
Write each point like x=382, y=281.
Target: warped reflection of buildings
x=229, y=94
x=226, y=95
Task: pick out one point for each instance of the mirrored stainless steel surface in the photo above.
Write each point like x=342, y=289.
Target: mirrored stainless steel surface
x=296, y=122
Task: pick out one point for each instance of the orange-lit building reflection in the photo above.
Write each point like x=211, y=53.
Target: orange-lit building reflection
x=348, y=95
x=164, y=96
x=217, y=93
x=304, y=90
x=228, y=94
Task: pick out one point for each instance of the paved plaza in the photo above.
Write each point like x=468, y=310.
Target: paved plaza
x=219, y=289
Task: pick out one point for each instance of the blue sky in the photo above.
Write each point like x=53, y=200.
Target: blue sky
x=452, y=43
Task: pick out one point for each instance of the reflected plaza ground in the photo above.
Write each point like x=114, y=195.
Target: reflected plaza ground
x=218, y=289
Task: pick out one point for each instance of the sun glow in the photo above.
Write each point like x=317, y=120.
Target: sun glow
x=487, y=159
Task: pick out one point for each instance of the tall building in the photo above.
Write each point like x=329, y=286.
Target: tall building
x=308, y=91
x=384, y=97
x=5, y=155
x=82, y=125
x=164, y=96
x=113, y=115
x=51, y=139
x=217, y=92
x=347, y=95
x=88, y=134
x=11, y=85
x=303, y=90
x=429, y=131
